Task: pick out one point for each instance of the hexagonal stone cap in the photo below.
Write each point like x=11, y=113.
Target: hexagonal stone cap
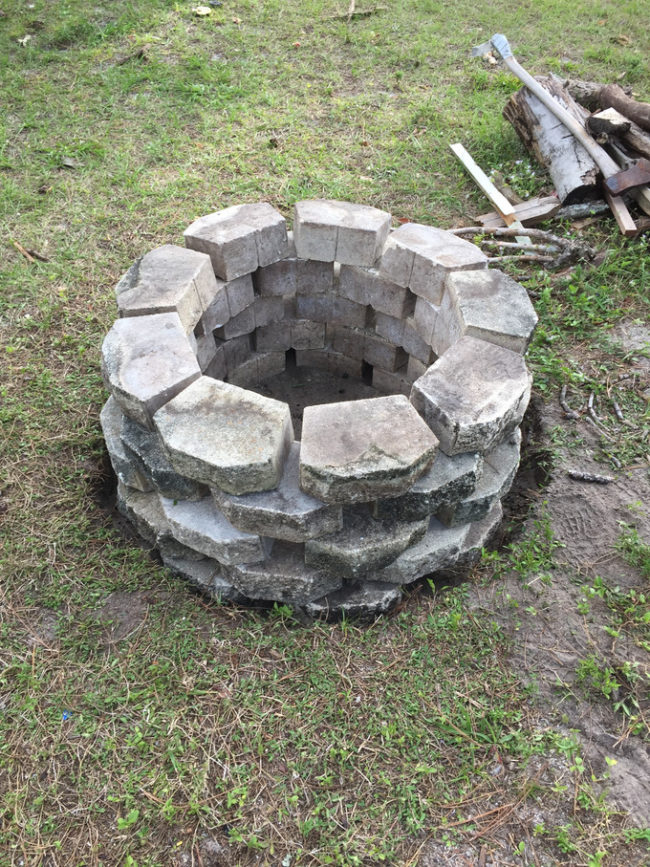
x=240, y=239
x=494, y=307
x=363, y=450
x=226, y=436
x=169, y=279
x=326, y=230
x=420, y=257
x=146, y=361
x=473, y=395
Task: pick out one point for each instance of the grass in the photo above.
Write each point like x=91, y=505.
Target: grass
x=183, y=724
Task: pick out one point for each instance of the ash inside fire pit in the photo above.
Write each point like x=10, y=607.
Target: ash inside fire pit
x=316, y=419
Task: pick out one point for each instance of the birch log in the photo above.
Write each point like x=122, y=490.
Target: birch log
x=574, y=173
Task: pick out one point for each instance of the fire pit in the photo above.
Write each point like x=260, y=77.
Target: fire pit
x=379, y=491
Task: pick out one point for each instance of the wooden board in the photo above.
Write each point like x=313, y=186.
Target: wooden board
x=528, y=213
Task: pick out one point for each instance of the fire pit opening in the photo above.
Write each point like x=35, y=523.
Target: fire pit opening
x=316, y=417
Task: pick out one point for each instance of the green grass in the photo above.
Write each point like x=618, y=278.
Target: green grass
x=121, y=123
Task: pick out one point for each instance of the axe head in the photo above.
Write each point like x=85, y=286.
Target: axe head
x=498, y=44
x=636, y=175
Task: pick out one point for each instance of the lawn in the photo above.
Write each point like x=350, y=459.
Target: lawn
x=143, y=725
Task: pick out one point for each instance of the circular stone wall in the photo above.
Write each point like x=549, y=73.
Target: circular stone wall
x=378, y=492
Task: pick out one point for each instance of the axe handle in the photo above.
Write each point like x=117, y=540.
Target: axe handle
x=602, y=159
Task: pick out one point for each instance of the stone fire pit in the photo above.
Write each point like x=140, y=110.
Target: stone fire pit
x=379, y=491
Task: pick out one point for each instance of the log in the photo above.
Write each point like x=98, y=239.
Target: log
x=574, y=173
x=587, y=93
x=608, y=122
x=613, y=96
x=637, y=140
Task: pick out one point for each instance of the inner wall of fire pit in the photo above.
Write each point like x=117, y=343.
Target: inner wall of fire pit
x=316, y=417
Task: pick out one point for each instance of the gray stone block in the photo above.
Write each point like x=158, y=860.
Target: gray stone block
x=447, y=481
x=473, y=396
x=390, y=328
x=170, y=548
x=217, y=312
x=381, y=353
x=168, y=279
x=326, y=231
x=415, y=345
x=420, y=257
x=368, y=286
x=200, y=525
x=415, y=369
x=240, y=239
x=226, y=437
x=240, y=294
x=479, y=535
x=307, y=335
x=237, y=326
x=206, y=576
x=363, y=450
x=492, y=306
x=391, y=383
x=295, y=276
x=236, y=350
x=285, y=513
x=440, y=548
x=273, y=338
x=363, y=545
x=145, y=450
x=217, y=369
x=346, y=341
x=145, y=512
x=424, y=320
x=269, y=311
x=448, y=328
x=146, y=361
x=206, y=350
x=362, y=599
x=284, y=578
x=257, y=368
x=129, y=472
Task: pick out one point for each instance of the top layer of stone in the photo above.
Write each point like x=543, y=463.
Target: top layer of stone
x=240, y=239
x=330, y=231
x=363, y=450
x=168, y=279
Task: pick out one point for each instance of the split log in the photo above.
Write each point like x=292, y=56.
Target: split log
x=587, y=93
x=574, y=173
x=637, y=140
x=608, y=122
x=613, y=96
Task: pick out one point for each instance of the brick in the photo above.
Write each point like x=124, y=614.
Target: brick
x=242, y=324
x=201, y=526
x=420, y=257
x=274, y=337
x=381, y=353
x=146, y=361
x=363, y=545
x=225, y=436
x=492, y=306
x=128, y=471
x=168, y=279
x=240, y=239
x=307, y=335
x=326, y=231
x=368, y=286
x=285, y=513
x=473, y=396
x=362, y=450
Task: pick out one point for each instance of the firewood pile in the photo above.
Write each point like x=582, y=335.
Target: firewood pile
x=594, y=140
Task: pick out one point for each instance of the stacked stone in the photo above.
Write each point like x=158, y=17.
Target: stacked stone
x=379, y=492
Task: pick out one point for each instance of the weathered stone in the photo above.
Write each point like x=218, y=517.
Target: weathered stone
x=273, y=338
x=331, y=308
x=415, y=345
x=391, y=383
x=479, y=535
x=439, y=549
x=363, y=599
x=307, y=335
x=169, y=279
x=168, y=547
x=217, y=313
x=295, y=276
x=200, y=525
x=326, y=359
x=240, y=294
x=363, y=450
x=225, y=436
x=381, y=353
x=236, y=350
x=237, y=326
x=257, y=368
x=284, y=578
x=240, y=239
x=492, y=306
x=346, y=341
x=368, y=286
x=144, y=510
x=146, y=451
x=326, y=231
x=146, y=361
x=363, y=545
x=415, y=369
x=284, y=513
x=447, y=481
x=217, y=368
x=127, y=471
x=447, y=329
x=390, y=328
x=269, y=311
x=420, y=257
x=205, y=350
x=206, y=576
x=424, y=320
x=473, y=396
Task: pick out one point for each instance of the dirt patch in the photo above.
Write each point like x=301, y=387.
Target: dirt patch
x=121, y=614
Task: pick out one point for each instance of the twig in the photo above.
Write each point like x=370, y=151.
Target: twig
x=523, y=258
x=534, y=248
x=589, y=477
x=618, y=411
x=570, y=413
x=599, y=429
x=23, y=251
x=613, y=459
x=568, y=251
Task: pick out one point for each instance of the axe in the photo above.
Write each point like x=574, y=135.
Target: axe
x=616, y=181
